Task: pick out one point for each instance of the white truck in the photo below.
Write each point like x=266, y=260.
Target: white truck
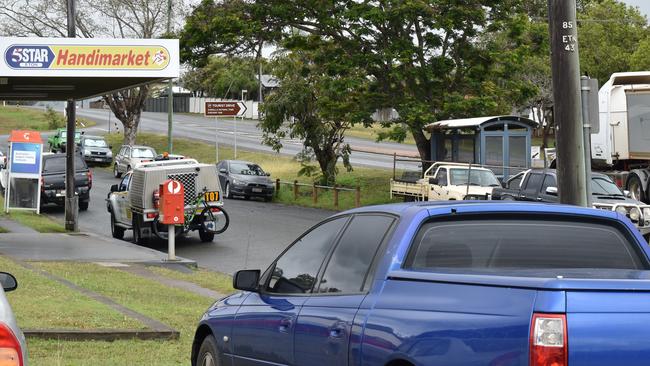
x=447, y=181
x=620, y=141
x=133, y=203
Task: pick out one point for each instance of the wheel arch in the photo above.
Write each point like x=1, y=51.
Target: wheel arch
x=400, y=362
x=201, y=332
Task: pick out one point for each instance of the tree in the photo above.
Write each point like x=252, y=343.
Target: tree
x=316, y=105
x=423, y=57
x=640, y=60
x=110, y=18
x=609, y=33
x=224, y=77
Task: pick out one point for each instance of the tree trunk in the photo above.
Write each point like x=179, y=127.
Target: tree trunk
x=127, y=107
x=327, y=162
x=424, y=147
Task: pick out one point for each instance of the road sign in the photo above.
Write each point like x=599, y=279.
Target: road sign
x=218, y=109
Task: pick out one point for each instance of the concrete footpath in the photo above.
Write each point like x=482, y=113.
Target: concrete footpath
x=80, y=247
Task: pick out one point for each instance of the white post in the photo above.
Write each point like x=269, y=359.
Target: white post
x=171, y=243
x=234, y=118
x=216, y=138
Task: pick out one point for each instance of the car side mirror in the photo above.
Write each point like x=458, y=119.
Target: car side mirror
x=627, y=193
x=247, y=280
x=223, y=171
x=110, y=147
x=268, y=174
x=551, y=190
x=115, y=188
x=433, y=181
x=9, y=282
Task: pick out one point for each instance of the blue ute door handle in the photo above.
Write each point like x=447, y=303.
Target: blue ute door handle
x=337, y=331
x=285, y=324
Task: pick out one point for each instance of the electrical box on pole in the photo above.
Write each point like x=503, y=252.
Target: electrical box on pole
x=571, y=171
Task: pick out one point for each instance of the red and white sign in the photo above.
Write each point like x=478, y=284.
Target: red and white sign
x=221, y=109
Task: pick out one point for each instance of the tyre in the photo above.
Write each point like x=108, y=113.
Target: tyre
x=205, y=236
x=137, y=226
x=160, y=230
x=83, y=205
x=507, y=198
x=116, y=231
x=116, y=172
x=636, y=188
x=227, y=191
x=208, y=354
x=214, y=222
x=268, y=198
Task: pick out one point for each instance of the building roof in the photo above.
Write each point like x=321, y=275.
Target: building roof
x=269, y=81
x=475, y=122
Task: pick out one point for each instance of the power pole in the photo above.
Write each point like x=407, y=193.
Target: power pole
x=170, y=87
x=572, y=180
x=71, y=200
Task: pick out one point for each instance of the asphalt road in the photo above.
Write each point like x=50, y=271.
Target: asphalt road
x=248, y=136
x=258, y=231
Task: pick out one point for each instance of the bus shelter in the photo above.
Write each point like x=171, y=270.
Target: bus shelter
x=501, y=143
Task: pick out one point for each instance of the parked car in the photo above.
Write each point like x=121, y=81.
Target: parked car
x=467, y=283
x=447, y=181
x=95, y=149
x=243, y=178
x=539, y=185
x=13, y=350
x=57, y=142
x=129, y=156
x=53, y=180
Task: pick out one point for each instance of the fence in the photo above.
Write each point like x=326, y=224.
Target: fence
x=295, y=185
x=181, y=104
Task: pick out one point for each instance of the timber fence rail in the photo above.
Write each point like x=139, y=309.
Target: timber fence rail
x=315, y=188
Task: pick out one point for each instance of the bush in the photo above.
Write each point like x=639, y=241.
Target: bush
x=54, y=119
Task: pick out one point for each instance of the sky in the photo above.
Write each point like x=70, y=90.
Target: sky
x=644, y=5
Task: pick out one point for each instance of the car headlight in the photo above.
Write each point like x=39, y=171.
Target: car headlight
x=646, y=213
x=635, y=214
x=86, y=152
x=237, y=181
x=622, y=210
x=110, y=153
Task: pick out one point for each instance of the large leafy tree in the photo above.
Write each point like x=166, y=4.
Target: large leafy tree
x=428, y=59
x=224, y=77
x=609, y=33
x=316, y=103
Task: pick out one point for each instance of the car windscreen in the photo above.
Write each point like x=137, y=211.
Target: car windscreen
x=604, y=187
x=142, y=153
x=57, y=164
x=95, y=143
x=483, y=178
x=524, y=244
x=246, y=169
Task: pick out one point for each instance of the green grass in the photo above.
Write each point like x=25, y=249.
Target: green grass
x=23, y=118
x=40, y=223
x=215, y=281
x=178, y=308
x=41, y=303
x=374, y=183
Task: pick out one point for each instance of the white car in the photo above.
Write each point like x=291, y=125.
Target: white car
x=14, y=348
x=130, y=156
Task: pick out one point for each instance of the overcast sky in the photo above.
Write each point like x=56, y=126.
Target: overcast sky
x=644, y=5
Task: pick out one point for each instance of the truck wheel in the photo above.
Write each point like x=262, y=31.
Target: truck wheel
x=83, y=205
x=116, y=172
x=636, y=188
x=205, y=236
x=116, y=231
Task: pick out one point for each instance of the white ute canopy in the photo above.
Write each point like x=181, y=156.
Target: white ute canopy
x=79, y=68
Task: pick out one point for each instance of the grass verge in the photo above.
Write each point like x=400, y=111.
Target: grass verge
x=41, y=303
x=177, y=308
x=40, y=223
x=374, y=183
x=215, y=281
x=23, y=118
x=372, y=132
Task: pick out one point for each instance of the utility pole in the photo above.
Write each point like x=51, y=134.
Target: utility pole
x=71, y=200
x=572, y=180
x=170, y=87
